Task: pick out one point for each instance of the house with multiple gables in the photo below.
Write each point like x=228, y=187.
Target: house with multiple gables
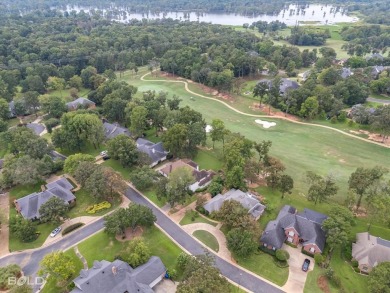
x=246, y=199
x=285, y=85
x=80, y=103
x=29, y=205
x=369, y=251
x=296, y=228
x=119, y=276
x=202, y=177
x=155, y=151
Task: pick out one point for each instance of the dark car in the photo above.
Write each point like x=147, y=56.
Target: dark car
x=306, y=265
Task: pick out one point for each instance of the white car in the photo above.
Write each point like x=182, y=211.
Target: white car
x=103, y=153
x=55, y=232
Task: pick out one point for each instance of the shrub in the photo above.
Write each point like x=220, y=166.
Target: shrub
x=342, y=116
x=214, y=188
x=355, y=263
x=182, y=260
x=282, y=255
x=281, y=264
x=266, y=250
x=347, y=251
x=307, y=253
x=329, y=273
x=202, y=211
x=333, y=120
x=98, y=207
x=351, y=123
x=357, y=270
x=289, y=243
x=319, y=259
x=172, y=273
x=51, y=123
x=71, y=228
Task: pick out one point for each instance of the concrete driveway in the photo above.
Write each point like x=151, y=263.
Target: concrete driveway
x=296, y=278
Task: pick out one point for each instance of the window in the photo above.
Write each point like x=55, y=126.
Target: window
x=312, y=250
x=291, y=233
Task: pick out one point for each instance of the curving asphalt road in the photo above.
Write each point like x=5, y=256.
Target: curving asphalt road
x=29, y=260
x=230, y=271
x=385, y=102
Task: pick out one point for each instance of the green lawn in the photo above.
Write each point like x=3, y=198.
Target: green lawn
x=151, y=194
x=102, y=246
x=87, y=149
x=208, y=160
x=65, y=94
x=114, y=164
x=13, y=122
x=84, y=200
x=300, y=147
x=207, y=239
x=264, y=265
x=197, y=219
x=51, y=285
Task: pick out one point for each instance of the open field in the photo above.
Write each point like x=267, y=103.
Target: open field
x=300, y=147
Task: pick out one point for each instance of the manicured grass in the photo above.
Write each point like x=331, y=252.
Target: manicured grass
x=114, y=164
x=197, y=219
x=51, y=285
x=65, y=94
x=13, y=122
x=151, y=194
x=381, y=97
x=84, y=200
x=102, y=246
x=207, y=239
x=263, y=265
x=300, y=147
x=208, y=160
x=87, y=149
x=151, y=135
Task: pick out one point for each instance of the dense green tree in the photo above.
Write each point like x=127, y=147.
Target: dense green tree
x=58, y=265
x=261, y=90
x=23, y=229
x=380, y=121
x=52, y=105
x=286, y=184
x=75, y=82
x=175, y=140
x=241, y=242
x=7, y=272
x=53, y=210
x=143, y=177
x=138, y=120
x=123, y=149
x=4, y=109
x=24, y=141
x=309, y=108
x=136, y=253
x=378, y=280
x=235, y=178
x=117, y=222
x=273, y=171
x=177, y=187
x=73, y=161
x=218, y=131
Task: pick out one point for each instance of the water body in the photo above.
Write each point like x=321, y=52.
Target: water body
x=291, y=15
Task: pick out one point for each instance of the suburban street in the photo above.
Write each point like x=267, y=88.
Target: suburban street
x=29, y=260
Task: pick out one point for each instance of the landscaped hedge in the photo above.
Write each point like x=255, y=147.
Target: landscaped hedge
x=71, y=228
x=307, y=253
x=266, y=250
x=98, y=207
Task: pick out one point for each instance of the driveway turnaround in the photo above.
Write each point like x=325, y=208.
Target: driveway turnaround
x=237, y=275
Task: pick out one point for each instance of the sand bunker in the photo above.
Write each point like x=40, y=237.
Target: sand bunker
x=209, y=128
x=265, y=124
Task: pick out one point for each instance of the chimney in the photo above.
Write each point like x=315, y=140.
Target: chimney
x=114, y=270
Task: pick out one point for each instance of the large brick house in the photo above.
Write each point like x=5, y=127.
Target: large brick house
x=296, y=228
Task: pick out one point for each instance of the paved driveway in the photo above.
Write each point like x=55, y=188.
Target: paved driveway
x=296, y=277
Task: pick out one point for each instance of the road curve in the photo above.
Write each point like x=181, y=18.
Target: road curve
x=262, y=116
x=237, y=275
x=385, y=102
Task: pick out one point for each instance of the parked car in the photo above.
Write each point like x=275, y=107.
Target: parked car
x=105, y=157
x=55, y=232
x=103, y=153
x=306, y=265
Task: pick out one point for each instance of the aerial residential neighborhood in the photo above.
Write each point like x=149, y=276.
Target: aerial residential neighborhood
x=194, y=146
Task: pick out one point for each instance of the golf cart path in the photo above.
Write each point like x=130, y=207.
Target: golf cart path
x=260, y=116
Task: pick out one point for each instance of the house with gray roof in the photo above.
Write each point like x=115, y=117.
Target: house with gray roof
x=285, y=85
x=112, y=130
x=80, y=103
x=119, y=277
x=376, y=70
x=297, y=228
x=346, y=72
x=370, y=251
x=246, y=199
x=12, y=112
x=29, y=205
x=376, y=56
x=155, y=151
x=36, y=127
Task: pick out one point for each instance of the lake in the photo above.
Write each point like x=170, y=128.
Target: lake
x=291, y=15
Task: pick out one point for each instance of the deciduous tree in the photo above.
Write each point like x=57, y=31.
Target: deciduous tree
x=73, y=161
x=123, y=149
x=58, y=265
x=241, y=242
x=136, y=253
x=53, y=210
x=321, y=188
x=378, y=280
